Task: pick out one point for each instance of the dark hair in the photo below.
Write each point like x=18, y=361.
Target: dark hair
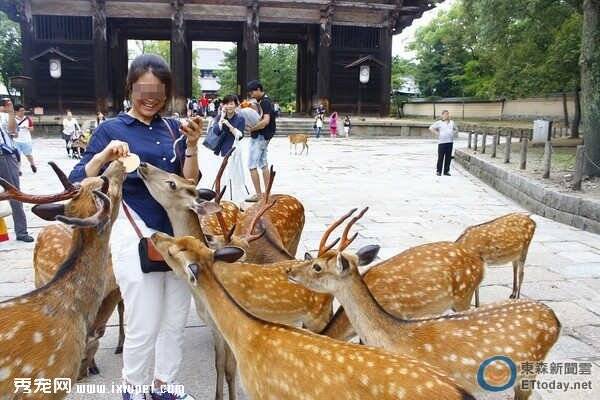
x=229, y=98
x=19, y=106
x=445, y=111
x=253, y=85
x=149, y=63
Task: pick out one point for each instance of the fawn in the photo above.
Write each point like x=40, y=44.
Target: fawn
x=296, y=139
x=459, y=343
x=281, y=362
x=43, y=332
x=502, y=240
x=51, y=250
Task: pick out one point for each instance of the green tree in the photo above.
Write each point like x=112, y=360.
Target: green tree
x=10, y=50
x=227, y=73
x=590, y=84
x=277, y=71
x=196, y=89
x=158, y=47
x=401, y=68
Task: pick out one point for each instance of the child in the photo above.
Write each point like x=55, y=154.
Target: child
x=347, y=125
x=333, y=124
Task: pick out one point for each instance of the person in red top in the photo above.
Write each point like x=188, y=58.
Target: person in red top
x=204, y=104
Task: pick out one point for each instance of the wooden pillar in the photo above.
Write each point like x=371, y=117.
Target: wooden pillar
x=324, y=55
x=27, y=37
x=300, y=77
x=117, y=61
x=311, y=67
x=241, y=69
x=385, y=46
x=178, y=56
x=250, y=43
x=100, y=63
x=189, y=60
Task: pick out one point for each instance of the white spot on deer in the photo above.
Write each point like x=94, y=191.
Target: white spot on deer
x=427, y=347
x=51, y=360
x=37, y=337
x=468, y=361
x=4, y=373
x=27, y=369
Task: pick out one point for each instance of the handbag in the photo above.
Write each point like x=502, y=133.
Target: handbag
x=213, y=141
x=150, y=259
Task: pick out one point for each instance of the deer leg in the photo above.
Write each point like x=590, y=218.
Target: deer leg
x=220, y=360
x=230, y=372
x=121, y=310
x=515, y=264
x=520, y=393
x=477, y=296
x=306, y=145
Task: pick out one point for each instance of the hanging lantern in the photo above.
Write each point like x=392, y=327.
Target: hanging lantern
x=364, y=74
x=55, y=68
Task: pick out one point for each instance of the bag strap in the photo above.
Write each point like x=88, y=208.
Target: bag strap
x=131, y=221
x=175, y=141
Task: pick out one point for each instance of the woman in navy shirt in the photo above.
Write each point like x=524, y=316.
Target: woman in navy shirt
x=156, y=303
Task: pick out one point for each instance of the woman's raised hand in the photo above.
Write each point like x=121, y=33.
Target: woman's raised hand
x=192, y=130
x=115, y=149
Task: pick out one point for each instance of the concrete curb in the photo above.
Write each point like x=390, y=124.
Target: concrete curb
x=565, y=208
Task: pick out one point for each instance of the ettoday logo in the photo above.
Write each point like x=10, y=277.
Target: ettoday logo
x=499, y=376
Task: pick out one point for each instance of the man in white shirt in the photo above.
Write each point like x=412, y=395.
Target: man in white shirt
x=9, y=167
x=445, y=130
x=23, y=140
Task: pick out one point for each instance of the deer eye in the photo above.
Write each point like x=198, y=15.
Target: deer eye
x=172, y=185
x=317, y=268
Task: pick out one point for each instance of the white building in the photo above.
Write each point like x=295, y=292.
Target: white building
x=209, y=60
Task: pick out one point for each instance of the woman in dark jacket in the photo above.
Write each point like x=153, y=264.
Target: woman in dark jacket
x=230, y=124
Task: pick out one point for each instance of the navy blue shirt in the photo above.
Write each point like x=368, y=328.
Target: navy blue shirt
x=238, y=122
x=153, y=144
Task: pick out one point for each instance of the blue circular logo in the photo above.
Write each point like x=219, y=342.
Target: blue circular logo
x=495, y=388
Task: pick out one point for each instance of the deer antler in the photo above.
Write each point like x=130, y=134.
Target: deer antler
x=345, y=241
x=270, y=184
x=61, y=176
x=12, y=193
x=259, y=214
x=217, y=183
x=323, y=248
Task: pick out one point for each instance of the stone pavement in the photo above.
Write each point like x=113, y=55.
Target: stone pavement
x=409, y=205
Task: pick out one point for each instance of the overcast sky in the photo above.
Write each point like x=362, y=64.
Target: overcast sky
x=399, y=42
x=402, y=39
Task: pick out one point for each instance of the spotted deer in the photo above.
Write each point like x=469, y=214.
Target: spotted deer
x=43, y=333
x=421, y=281
x=51, y=249
x=500, y=241
x=280, y=362
x=522, y=330
x=282, y=226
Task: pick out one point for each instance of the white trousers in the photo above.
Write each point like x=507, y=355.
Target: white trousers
x=156, y=309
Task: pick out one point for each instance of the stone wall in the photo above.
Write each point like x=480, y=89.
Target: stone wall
x=569, y=209
x=522, y=109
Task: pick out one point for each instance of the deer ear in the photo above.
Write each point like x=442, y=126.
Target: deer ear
x=49, y=212
x=205, y=208
x=229, y=254
x=206, y=194
x=343, y=264
x=367, y=254
x=307, y=256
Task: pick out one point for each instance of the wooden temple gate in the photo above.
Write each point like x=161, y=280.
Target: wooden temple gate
x=330, y=34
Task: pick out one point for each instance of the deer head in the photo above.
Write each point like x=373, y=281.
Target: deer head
x=324, y=273
x=187, y=254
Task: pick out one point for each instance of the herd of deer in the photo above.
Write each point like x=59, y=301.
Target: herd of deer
x=254, y=294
